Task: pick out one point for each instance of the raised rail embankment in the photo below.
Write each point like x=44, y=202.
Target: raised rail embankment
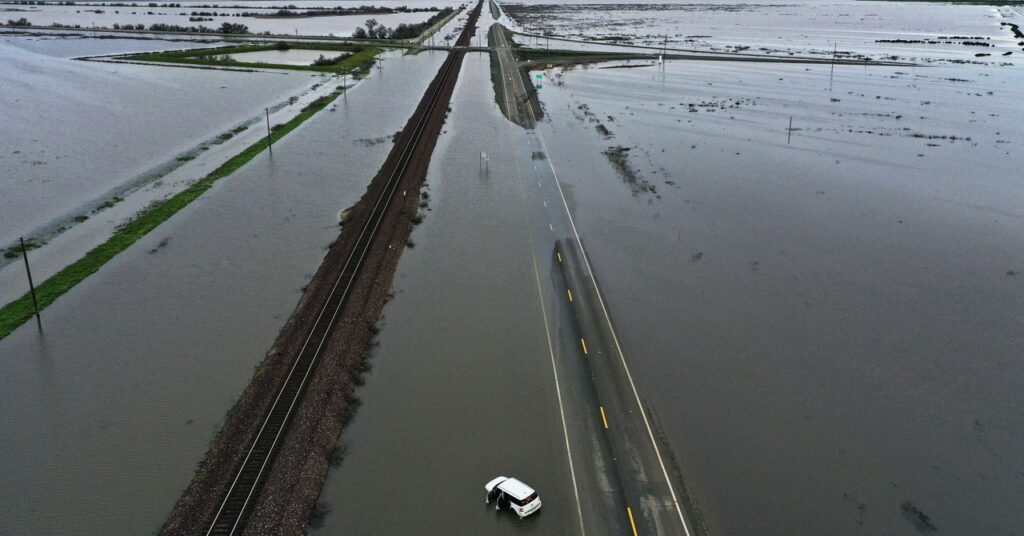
x=267, y=465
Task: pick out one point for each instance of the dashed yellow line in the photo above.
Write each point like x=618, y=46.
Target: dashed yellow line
x=584, y=343
x=632, y=523
x=604, y=419
x=569, y=291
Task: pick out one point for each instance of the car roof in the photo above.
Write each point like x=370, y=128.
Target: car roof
x=516, y=488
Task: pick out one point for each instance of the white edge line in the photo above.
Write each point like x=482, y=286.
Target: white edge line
x=554, y=369
x=611, y=328
x=615, y=338
x=558, y=391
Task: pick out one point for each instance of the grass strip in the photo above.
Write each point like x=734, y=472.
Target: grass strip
x=20, y=310
x=361, y=55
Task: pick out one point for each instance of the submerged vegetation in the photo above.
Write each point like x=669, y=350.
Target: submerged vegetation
x=20, y=310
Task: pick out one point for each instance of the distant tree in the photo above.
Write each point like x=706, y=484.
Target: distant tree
x=360, y=33
x=233, y=28
x=371, y=27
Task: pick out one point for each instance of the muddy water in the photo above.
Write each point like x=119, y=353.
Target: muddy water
x=461, y=388
x=68, y=46
x=108, y=411
x=76, y=130
x=286, y=57
x=86, y=17
x=828, y=330
x=782, y=27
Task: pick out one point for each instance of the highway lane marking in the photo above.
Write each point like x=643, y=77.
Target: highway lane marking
x=558, y=392
x=559, y=253
x=551, y=355
x=552, y=227
x=632, y=523
x=604, y=418
x=569, y=291
x=545, y=204
x=615, y=337
x=584, y=343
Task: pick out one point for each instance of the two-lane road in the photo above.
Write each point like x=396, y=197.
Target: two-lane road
x=616, y=459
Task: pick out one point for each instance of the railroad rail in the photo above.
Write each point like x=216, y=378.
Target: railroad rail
x=233, y=508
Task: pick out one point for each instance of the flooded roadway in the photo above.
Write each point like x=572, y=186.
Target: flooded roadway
x=486, y=367
x=108, y=411
x=824, y=331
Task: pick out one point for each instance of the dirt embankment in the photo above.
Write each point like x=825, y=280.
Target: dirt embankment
x=296, y=474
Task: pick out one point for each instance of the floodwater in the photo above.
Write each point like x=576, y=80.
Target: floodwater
x=83, y=44
x=295, y=56
x=828, y=329
x=955, y=32
x=107, y=412
x=479, y=371
x=62, y=113
x=107, y=17
x=461, y=388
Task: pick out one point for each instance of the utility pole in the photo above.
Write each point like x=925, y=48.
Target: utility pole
x=31, y=286
x=270, y=142
x=835, y=47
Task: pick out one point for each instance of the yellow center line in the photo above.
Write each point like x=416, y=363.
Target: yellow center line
x=604, y=418
x=632, y=523
x=569, y=290
x=584, y=343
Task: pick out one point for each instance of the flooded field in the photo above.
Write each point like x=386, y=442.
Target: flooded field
x=108, y=411
x=286, y=57
x=107, y=17
x=80, y=132
x=816, y=272
x=827, y=320
x=918, y=31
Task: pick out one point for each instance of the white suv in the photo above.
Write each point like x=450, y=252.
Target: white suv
x=512, y=494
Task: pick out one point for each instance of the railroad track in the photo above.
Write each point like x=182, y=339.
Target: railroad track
x=246, y=484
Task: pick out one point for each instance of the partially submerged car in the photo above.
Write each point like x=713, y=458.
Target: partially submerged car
x=513, y=494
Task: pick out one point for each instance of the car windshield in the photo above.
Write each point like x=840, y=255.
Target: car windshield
x=525, y=500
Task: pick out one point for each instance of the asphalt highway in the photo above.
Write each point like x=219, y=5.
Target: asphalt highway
x=617, y=460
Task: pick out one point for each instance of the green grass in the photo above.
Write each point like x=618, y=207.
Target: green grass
x=20, y=310
x=361, y=56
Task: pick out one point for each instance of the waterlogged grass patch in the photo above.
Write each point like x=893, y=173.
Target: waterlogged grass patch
x=350, y=58
x=20, y=310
